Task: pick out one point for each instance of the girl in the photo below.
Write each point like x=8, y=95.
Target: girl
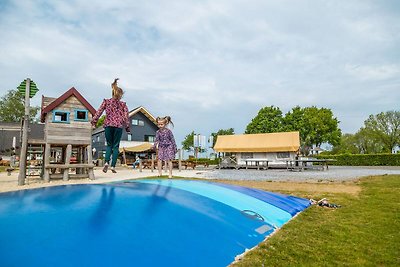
x=117, y=118
x=165, y=144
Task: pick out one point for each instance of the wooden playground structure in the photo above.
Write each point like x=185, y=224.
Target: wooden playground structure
x=65, y=150
x=67, y=136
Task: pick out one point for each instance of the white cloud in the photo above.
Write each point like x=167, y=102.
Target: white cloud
x=378, y=72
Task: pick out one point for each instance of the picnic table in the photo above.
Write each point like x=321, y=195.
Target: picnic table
x=303, y=164
x=263, y=163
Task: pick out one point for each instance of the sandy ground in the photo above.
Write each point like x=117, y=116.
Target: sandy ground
x=10, y=183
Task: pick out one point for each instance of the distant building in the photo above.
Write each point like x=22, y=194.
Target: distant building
x=10, y=131
x=143, y=130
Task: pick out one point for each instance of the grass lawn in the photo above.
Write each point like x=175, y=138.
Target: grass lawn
x=3, y=168
x=364, y=232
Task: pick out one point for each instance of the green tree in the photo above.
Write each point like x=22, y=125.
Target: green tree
x=100, y=122
x=319, y=126
x=187, y=143
x=12, y=107
x=315, y=125
x=367, y=143
x=229, y=131
x=268, y=120
x=347, y=144
x=385, y=127
x=293, y=120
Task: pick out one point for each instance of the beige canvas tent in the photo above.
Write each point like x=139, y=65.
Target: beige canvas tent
x=275, y=147
x=139, y=148
x=266, y=142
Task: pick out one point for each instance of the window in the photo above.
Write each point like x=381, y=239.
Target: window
x=283, y=155
x=149, y=138
x=137, y=122
x=60, y=116
x=81, y=115
x=129, y=137
x=98, y=138
x=247, y=155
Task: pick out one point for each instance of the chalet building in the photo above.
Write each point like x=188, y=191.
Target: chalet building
x=143, y=131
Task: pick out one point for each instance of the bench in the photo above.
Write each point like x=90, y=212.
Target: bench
x=175, y=164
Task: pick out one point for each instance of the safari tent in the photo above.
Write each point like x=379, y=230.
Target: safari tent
x=277, y=148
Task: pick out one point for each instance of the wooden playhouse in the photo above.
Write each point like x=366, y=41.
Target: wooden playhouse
x=67, y=136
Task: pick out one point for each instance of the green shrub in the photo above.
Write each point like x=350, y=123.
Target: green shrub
x=210, y=161
x=363, y=159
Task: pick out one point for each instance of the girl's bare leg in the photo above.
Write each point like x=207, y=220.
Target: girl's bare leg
x=170, y=168
x=159, y=166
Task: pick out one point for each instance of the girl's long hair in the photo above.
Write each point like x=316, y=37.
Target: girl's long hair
x=117, y=92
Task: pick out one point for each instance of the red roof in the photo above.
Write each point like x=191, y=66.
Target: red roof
x=65, y=96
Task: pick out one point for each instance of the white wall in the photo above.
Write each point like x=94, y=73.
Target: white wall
x=272, y=157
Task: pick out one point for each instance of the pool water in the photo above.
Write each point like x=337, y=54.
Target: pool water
x=138, y=223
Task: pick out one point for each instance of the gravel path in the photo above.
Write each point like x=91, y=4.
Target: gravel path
x=335, y=173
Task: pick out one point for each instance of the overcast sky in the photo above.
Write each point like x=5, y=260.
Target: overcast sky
x=210, y=65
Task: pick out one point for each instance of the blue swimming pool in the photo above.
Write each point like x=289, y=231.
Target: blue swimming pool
x=138, y=223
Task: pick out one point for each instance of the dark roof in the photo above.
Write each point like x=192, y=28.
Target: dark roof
x=10, y=124
x=144, y=112
x=62, y=98
x=98, y=130
x=8, y=130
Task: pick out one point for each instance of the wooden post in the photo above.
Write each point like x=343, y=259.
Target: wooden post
x=124, y=156
x=85, y=157
x=152, y=162
x=22, y=157
x=79, y=159
x=90, y=161
x=67, y=162
x=46, y=158
x=180, y=160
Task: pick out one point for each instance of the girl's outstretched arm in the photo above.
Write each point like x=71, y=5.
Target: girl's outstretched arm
x=99, y=112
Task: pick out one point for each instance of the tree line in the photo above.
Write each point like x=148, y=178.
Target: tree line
x=379, y=134
x=317, y=126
